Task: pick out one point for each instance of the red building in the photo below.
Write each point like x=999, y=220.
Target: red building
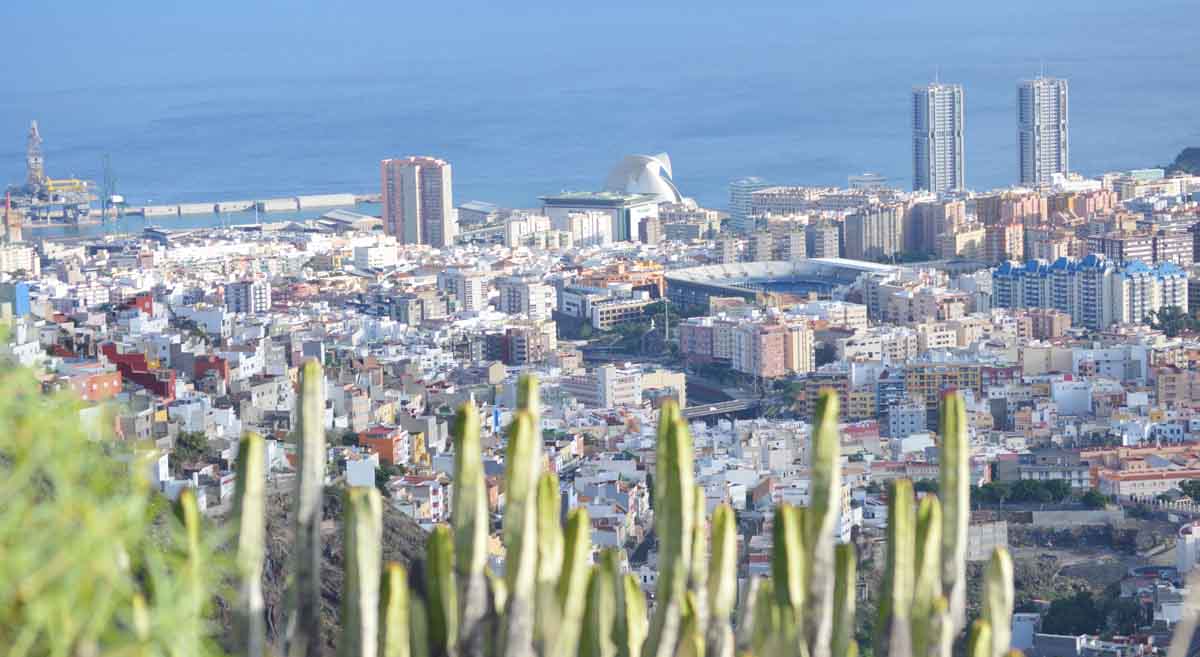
x=136, y=368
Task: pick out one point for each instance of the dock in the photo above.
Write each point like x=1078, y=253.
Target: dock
x=285, y=204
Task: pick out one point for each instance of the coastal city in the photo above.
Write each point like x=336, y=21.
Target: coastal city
x=1064, y=308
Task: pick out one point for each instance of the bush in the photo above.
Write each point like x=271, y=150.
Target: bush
x=92, y=563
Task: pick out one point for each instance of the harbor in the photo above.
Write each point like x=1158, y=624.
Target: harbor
x=63, y=208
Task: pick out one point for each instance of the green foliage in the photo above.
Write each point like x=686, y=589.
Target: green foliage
x=1172, y=320
x=1094, y=499
x=190, y=446
x=90, y=563
x=1191, y=488
x=925, y=486
x=1025, y=491
x=1074, y=615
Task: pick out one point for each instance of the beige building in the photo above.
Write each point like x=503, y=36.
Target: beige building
x=418, y=201
x=965, y=242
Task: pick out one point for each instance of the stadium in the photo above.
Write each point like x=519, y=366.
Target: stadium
x=753, y=281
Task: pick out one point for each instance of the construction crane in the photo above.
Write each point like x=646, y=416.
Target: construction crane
x=43, y=196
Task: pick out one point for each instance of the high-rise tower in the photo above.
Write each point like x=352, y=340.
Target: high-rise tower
x=1042, y=129
x=937, y=142
x=418, y=201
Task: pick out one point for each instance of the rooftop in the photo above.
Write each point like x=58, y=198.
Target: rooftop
x=598, y=198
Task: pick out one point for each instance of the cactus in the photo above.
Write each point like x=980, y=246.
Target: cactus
x=551, y=602
x=893, y=635
x=674, y=523
x=928, y=576
x=303, y=632
x=599, y=628
x=572, y=585
x=520, y=533
x=955, y=489
x=188, y=512
x=845, y=590
x=442, y=610
x=820, y=524
x=249, y=501
x=722, y=583
x=419, y=639
x=998, y=600
x=549, y=560
x=470, y=520
x=394, y=636
x=363, y=530
x=979, y=644
x=631, y=626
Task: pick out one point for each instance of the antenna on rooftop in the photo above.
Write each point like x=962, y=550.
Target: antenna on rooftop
x=937, y=74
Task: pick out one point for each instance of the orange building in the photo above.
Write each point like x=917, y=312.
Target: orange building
x=391, y=443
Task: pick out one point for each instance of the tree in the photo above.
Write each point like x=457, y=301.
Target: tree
x=1172, y=320
x=1191, y=488
x=1093, y=499
x=1073, y=615
x=926, y=486
x=825, y=353
x=190, y=446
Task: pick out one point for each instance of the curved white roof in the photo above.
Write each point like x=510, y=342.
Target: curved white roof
x=644, y=174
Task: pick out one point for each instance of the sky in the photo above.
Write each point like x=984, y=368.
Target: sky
x=796, y=86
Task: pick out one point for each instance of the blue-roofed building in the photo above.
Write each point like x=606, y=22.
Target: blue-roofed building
x=1094, y=291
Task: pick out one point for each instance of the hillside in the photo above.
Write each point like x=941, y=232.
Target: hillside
x=1188, y=161
x=403, y=541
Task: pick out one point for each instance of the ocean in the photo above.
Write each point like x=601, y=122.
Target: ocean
x=535, y=103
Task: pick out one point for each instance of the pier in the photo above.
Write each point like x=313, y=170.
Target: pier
x=284, y=204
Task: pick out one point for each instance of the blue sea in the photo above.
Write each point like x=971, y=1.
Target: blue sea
x=231, y=100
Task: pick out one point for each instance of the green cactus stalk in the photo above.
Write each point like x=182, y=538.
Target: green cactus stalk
x=821, y=520
x=788, y=560
x=549, y=560
x=844, y=598
x=998, y=600
x=572, y=585
x=928, y=581
x=469, y=516
x=394, y=636
x=188, y=511
x=498, y=590
x=631, y=626
x=955, y=491
x=722, y=583
x=892, y=632
x=440, y=588
x=698, y=578
x=748, y=615
x=363, y=538
x=528, y=398
x=522, y=464
x=691, y=636
x=249, y=507
x=419, y=638
x=942, y=630
x=765, y=614
x=599, y=628
x=303, y=631
x=979, y=644
x=674, y=511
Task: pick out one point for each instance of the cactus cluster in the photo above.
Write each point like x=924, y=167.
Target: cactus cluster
x=553, y=601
